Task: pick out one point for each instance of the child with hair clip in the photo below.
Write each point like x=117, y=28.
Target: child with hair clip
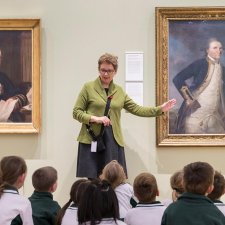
x=68, y=214
x=13, y=171
x=99, y=205
x=114, y=174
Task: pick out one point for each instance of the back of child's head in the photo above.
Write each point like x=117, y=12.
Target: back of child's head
x=219, y=187
x=98, y=201
x=80, y=190
x=198, y=177
x=114, y=173
x=44, y=178
x=145, y=188
x=11, y=167
x=73, y=190
x=176, y=183
x=74, y=197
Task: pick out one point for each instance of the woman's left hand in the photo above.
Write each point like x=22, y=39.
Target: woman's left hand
x=166, y=106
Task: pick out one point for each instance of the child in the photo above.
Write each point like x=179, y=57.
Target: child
x=68, y=214
x=44, y=207
x=148, y=210
x=218, y=191
x=13, y=171
x=176, y=183
x=114, y=174
x=99, y=205
x=193, y=207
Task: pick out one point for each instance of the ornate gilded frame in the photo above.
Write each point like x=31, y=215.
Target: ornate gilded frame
x=23, y=34
x=166, y=19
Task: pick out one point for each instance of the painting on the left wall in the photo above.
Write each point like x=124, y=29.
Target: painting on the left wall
x=20, y=76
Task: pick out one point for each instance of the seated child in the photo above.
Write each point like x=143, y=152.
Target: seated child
x=99, y=205
x=176, y=183
x=193, y=207
x=218, y=191
x=68, y=214
x=13, y=171
x=148, y=210
x=114, y=174
x=44, y=207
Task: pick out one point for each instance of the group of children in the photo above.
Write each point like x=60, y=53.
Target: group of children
x=196, y=192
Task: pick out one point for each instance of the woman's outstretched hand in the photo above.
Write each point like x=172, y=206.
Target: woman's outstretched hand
x=166, y=106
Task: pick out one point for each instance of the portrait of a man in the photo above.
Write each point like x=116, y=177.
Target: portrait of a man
x=197, y=78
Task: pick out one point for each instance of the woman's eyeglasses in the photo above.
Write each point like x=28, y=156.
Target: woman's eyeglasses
x=109, y=72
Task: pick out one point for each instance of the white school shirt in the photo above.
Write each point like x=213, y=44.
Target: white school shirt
x=124, y=193
x=220, y=206
x=143, y=214
x=70, y=216
x=109, y=221
x=11, y=205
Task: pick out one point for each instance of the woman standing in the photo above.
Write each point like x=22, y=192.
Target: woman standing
x=89, y=110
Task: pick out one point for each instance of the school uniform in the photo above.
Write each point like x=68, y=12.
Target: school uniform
x=220, y=205
x=150, y=213
x=70, y=216
x=192, y=209
x=44, y=208
x=125, y=195
x=12, y=205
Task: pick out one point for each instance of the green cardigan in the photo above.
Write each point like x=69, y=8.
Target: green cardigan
x=92, y=101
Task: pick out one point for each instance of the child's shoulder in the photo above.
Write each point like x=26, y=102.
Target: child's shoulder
x=124, y=187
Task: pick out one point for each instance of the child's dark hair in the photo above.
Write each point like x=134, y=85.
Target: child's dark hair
x=145, y=187
x=219, y=187
x=73, y=198
x=43, y=178
x=198, y=177
x=98, y=201
x=11, y=167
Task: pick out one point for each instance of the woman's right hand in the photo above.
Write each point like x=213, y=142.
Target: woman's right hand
x=101, y=120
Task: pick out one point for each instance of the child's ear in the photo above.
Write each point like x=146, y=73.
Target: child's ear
x=210, y=189
x=20, y=180
x=53, y=187
x=157, y=193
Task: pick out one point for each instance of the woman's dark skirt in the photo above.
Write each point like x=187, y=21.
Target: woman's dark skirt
x=90, y=164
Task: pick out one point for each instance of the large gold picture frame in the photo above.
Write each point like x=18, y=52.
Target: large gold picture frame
x=20, y=108
x=182, y=39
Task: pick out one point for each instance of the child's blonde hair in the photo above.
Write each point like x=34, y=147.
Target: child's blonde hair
x=113, y=173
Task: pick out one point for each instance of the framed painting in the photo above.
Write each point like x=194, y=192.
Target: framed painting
x=20, y=76
x=190, y=67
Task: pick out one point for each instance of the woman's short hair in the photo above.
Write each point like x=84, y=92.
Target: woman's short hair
x=110, y=59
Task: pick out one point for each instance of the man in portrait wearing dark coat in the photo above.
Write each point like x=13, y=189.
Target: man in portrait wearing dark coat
x=202, y=111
